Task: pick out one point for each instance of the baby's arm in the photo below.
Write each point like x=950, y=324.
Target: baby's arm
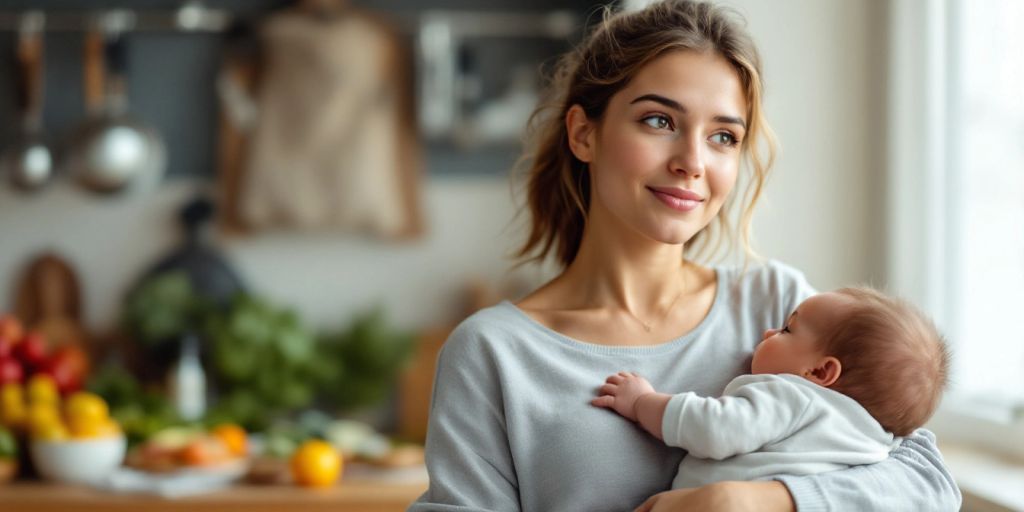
x=748, y=417
x=634, y=398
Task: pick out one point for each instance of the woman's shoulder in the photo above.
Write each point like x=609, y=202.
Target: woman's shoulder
x=763, y=292
x=486, y=330
x=768, y=278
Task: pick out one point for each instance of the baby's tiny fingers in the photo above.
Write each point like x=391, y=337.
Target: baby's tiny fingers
x=614, y=379
x=608, y=389
x=603, y=401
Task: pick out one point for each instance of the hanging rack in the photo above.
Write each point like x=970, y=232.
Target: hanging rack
x=190, y=17
x=194, y=16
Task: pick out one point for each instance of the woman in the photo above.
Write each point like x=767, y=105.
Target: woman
x=631, y=175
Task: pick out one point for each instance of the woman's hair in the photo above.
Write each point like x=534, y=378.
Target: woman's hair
x=558, y=186
x=894, y=361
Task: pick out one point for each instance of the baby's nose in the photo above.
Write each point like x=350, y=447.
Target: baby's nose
x=769, y=333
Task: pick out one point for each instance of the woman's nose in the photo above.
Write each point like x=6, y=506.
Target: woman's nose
x=688, y=158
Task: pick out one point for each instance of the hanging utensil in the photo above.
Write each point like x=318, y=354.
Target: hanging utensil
x=28, y=163
x=114, y=151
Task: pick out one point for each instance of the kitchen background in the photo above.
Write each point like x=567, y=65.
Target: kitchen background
x=440, y=238
x=467, y=203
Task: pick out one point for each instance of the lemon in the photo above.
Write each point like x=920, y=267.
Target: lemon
x=50, y=431
x=40, y=414
x=12, y=405
x=43, y=389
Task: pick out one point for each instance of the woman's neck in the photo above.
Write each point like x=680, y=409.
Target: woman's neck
x=619, y=268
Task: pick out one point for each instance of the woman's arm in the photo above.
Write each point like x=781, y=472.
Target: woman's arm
x=913, y=478
x=468, y=458
x=723, y=496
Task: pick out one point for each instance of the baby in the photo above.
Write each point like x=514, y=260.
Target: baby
x=849, y=372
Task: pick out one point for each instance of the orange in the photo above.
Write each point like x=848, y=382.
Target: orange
x=316, y=464
x=86, y=407
x=203, y=451
x=91, y=428
x=234, y=437
x=86, y=427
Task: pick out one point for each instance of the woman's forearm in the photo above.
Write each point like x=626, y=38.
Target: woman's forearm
x=650, y=410
x=734, y=496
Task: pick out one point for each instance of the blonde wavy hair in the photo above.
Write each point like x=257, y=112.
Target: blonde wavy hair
x=558, y=184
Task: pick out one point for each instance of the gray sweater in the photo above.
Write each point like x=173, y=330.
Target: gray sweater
x=511, y=427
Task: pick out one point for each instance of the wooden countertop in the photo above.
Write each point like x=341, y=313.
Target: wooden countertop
x=356, y=496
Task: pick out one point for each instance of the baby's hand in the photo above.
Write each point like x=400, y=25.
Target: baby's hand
x=621, y=391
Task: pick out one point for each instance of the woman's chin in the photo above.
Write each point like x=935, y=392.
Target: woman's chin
x=674, y=236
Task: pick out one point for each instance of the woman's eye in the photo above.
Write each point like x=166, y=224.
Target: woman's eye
x=658, y=122
x=724, y=138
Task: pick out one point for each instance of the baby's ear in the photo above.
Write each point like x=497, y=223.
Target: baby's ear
x=826, y=372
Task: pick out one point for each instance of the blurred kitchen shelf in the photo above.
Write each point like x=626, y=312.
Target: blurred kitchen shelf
x=345, y=497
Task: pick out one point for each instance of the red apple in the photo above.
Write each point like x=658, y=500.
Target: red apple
x=11, y=371
x=7, y=346
x=11, y=328
x=68, y=366
x=32, y=350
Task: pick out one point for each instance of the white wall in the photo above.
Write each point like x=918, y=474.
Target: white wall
x=824, y=69
x=326, y=277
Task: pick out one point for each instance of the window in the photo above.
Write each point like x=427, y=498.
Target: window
x=986, y=192
x=956, y=201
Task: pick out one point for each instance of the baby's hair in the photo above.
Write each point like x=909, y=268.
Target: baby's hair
x=895, y=362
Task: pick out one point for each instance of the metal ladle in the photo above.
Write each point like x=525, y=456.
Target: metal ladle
x=113, y=151
x=28, y=163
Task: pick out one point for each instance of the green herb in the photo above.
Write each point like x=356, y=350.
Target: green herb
x=8, y=445
x=263, y=362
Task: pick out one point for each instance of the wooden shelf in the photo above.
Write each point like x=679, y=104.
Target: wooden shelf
x=345, y=497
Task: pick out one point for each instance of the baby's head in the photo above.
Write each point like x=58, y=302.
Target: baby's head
x=881, y=351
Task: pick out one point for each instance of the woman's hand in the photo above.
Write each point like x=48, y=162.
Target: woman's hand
x=724, y=496
x=621, y=392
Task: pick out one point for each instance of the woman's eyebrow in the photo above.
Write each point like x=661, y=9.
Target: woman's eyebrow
x=675, y=105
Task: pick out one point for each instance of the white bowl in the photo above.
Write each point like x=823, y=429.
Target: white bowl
x=78, y=461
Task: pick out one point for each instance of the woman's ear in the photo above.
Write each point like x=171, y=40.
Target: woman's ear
x=826, y=372
x=581, y=133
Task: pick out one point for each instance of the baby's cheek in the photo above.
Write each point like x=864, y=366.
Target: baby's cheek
x=764, y=357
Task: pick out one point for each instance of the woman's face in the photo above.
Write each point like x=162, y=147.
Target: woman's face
x=665, y=156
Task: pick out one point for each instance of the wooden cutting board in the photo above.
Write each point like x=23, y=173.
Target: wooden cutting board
x=48, y=299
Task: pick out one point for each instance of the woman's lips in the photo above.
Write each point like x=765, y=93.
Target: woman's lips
x=677, y=198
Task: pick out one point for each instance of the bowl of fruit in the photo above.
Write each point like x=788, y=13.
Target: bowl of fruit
x=81, y=446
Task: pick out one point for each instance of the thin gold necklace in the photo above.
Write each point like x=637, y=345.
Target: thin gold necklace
x=647, y=326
